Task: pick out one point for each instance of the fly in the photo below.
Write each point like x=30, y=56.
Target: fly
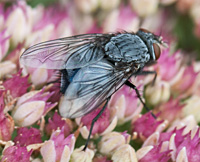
x=94, y=66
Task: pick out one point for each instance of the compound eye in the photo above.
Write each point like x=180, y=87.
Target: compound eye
x=144, y=30
x=156, y=50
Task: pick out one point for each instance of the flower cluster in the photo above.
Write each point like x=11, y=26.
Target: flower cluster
x=32, y=128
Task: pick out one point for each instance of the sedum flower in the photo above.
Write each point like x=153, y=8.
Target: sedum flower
x=189, y=148
x=79, y=155
x=105, y=124
x=87, y=6
x=161, y=137
x=4, y=43
x=186, y=86
x=153, y=153
x=169, y=66
x=109, y=6
x=17, y=85
x=58, y=148
x=170, y=110
x=192, y=106
x=184, y=6
x=182, y=147
x=17, y=23
x=146, y=124
x=144, y=8
x=6, y=68
x=188, y=122
x=31, y=106
x=114, y=19
x=125, y=153
x=16, y=153
x=27, y=136
x=57, y=122
x=194, y=12
x=111, y=141
x=6, y=122
x=157, y=93
x=126, y=103
x=40, y=76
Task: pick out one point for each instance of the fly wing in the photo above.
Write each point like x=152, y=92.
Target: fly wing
x=66, y=53
x=90, y=87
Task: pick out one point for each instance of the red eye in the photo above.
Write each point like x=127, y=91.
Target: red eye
x=144, y=30
x=156, y=50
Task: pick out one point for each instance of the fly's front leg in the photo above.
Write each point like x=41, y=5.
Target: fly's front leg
x=139, y=96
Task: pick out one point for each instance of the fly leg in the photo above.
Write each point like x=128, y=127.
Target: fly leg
x=139, y=96
x=93, y=121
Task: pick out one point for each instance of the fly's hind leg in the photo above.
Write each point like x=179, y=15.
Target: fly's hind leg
x=139, y=96
x=93, y=121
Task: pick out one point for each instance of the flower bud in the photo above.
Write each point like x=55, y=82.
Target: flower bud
x=31, y=106
x=124, y=153
x=58, y=148
x=7, y=67
x=79, y=155
x=158, y=93
x=144, y=7
x=111, y=141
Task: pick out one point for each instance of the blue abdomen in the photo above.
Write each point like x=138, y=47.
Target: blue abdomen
x=67, y=76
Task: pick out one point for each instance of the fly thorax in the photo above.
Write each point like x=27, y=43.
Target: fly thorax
x=127, y=48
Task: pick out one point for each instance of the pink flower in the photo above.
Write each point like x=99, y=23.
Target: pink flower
x=168, y=66
x=106, y=123
x=58, y=148
x=146, y=125
x=144, y=8
x=6, y=121
x=87, y=6
x=184, y=5
x=124, y=19
x=49, y=23
x=157, y=93
x=111, y=141
x=7, y=68
x=31, y=107
x=40, y=76
x=153, y=153
x=186, y=86
x=189, y=148
x=170, y=110
x=27, y=136
x=55, y=88
x=124, y=153
x=127, y=104
x=16, y=153
x=57, y=123
x=18, y=23
x=79, y=155
x=4, y=43
x=17, y=85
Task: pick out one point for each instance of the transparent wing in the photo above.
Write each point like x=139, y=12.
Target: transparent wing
x=66, y=53
x=90, y=87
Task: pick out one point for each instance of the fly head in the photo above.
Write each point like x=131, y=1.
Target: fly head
x=152, y=42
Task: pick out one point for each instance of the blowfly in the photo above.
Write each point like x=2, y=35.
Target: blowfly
x=94, y=66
